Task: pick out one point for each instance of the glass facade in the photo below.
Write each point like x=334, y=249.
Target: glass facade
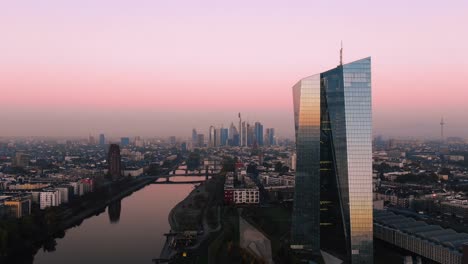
x=306, y=213
x=259, y=133
x=333, y=195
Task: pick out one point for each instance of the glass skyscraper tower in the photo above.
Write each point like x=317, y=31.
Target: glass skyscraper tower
x=333, y=195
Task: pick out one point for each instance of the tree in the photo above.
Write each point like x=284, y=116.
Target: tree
x=153, y=169
x=193, y=161
x=278, y=166
x=252, y=168
x=229, y=164
x=3, y=242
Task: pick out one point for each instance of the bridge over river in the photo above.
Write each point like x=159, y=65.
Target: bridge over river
x=186, y=173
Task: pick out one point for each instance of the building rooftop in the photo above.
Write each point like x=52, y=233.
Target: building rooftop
x=432, y=233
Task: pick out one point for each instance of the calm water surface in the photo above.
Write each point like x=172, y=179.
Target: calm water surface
x=129, y=232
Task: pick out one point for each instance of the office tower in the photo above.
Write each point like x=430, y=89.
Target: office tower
x=243, y=134
x=233, y=137
x=250, y=135
x=442, y=123
x=224, y=136
x=269, y=137
x=194, y=137
x=91, y=140
x=125, y=141
x=102, y=139
x=333, y=191
x=235, y=140
x=217, y=137
x=232, y=131
x=114, y=162
x=259, y=133
x=272, y=137
x=211, y=137
x=200, y=140
x=139, y=142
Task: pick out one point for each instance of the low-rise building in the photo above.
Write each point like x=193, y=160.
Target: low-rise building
x=82, y=186
x=428, y=241
x=240, y=191
x=274, y=179
x=77, y=188
x=375, y=181
x=391, y=176
x=280, y=193
x=394, y=199
x=458, y=208
x=88, y=185
x=18, y=207
x=455, y=157
x=65, y=193
x=133, y=172
x=21, y=160
x=49, y=198
x=4, y=185
x=245, y=196
x=28, y=186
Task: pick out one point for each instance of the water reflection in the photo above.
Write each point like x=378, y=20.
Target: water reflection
x=113, y=210
x=132, y=231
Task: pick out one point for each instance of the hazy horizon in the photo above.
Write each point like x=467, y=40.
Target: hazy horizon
x=161, y=68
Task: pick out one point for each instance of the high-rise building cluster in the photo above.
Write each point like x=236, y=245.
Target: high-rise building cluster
x=123, y=141
x=243, y=135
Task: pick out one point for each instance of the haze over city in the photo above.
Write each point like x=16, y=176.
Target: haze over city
x=206, y=132
x=164, y=67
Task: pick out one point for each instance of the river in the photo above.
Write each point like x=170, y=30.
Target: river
x=131, y=231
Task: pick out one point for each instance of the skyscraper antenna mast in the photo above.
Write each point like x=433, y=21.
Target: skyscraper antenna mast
x=341, y=54
x=442, y=123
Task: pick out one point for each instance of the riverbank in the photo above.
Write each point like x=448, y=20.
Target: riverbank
x=127, y=231
x=198, y=214
x=20, y=239
x=77, y=219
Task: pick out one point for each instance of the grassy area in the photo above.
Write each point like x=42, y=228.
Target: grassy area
x=187, y=214
x=275, y=223
x=223, y=248
x=212, y=216
x=204, y=199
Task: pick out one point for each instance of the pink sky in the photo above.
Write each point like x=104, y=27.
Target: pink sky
x=141, y=67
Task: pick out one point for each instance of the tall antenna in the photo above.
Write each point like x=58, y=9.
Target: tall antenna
x=341, y=54
x=442, y=123
x=241, y=135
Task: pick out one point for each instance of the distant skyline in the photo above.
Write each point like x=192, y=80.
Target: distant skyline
x=161, y=68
